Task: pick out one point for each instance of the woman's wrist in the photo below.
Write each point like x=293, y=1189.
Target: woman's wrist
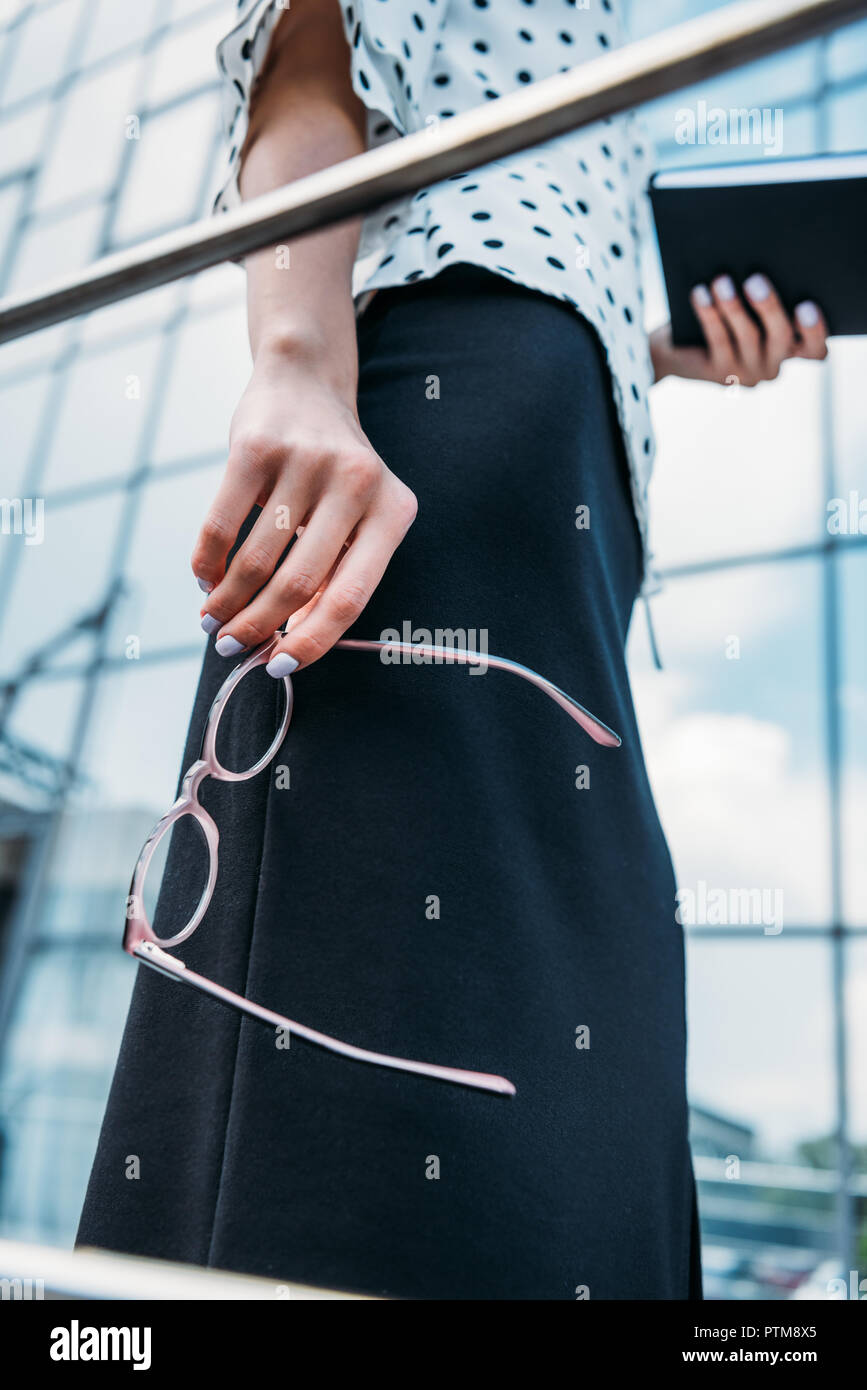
x=282, y=349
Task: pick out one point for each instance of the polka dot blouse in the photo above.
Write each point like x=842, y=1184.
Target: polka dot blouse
x=563, y=218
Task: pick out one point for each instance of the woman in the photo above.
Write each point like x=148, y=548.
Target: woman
x=447, y=869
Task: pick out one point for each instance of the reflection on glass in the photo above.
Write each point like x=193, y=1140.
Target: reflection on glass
x=54, y=1079
x=761, y=1119
x=735, y=742
x=58, y=582
x=40, y=722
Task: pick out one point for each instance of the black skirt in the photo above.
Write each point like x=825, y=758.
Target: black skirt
x=446, y=868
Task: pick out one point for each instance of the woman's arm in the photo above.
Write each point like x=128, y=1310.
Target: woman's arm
x=296, y=445
x=737, y=350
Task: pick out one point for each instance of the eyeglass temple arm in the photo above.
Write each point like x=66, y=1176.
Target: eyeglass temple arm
x=150, y=954
x=598, y=731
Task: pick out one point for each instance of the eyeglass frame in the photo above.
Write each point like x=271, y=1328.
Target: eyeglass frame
x=141, y=941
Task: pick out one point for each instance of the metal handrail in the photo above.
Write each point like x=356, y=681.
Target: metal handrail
x=616, y=82
x=32, y=1272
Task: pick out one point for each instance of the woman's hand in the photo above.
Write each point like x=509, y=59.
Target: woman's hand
x=298, y=450
x=296, y=445
x=737, y=350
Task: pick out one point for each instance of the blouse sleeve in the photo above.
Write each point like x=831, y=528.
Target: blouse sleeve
x=391, y=51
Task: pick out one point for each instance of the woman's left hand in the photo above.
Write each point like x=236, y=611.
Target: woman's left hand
x=738, y=351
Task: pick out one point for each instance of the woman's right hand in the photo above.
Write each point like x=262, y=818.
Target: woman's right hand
x=298, y=450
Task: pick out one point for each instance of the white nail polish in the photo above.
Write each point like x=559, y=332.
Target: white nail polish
x=210, y=625
x=204, y=585
x=702, y=296
x=725, y=287
x=807, y=314
x=281, y=665
x=757, y=287
x=229, y=646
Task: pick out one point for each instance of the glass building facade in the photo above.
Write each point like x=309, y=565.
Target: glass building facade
x=113, y=437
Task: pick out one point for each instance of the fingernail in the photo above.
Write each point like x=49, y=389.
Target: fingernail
x=281, y=665
x=807, y=313
x=757, y=287
x=229, y=646
x=702, y=296
x=725, y=287
x=204, y=585
x=210, y=625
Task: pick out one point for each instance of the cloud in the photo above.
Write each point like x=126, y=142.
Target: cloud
x=739, y=811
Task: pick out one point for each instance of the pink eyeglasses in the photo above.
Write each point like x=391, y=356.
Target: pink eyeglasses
x=140, y=939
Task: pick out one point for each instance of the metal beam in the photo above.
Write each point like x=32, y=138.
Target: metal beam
x=628, y=77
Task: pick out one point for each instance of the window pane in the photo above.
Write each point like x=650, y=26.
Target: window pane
x=761, y=1086
x=116, y=388
x=847, y=52
x=856, y=1005
x=738, y=470
x=115, y=26
x=41, y=348
x=11, y=197
x=57, y=1063
x=847, y=117
x=51, y=248
x=185, y=60
x=852, y=574
x=734, y=735
x=162, y=606
x=129, y=317
x=22, y=137
x=61, y=580
x=40, y=730
x=210, y=372
x=849, y=415
x=41, y=48
x=21, y=407
x=54, y=1080
x=182, y=8
x=760, y=1026
x=89, y=136
x=132, y=756
x=165, y=181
